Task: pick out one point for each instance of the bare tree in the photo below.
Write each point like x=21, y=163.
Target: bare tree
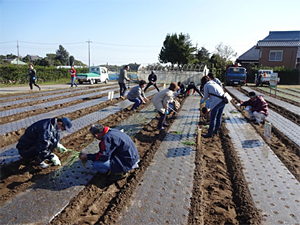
x=225, y=51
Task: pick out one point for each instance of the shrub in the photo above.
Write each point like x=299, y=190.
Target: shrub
x=16, y=74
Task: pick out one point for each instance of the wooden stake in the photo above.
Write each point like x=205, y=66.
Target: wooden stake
x=199, y=138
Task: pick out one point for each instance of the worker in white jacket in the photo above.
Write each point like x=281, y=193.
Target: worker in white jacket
x=161, y=102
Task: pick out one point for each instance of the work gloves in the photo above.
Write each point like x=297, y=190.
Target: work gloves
x=61, y=148
x=44, y=165
x=201, y=101
x=55, y=160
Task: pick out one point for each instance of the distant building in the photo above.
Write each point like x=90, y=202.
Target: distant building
x=279, y=48
x=34, y=57
x=250, y=56
x=15, y=61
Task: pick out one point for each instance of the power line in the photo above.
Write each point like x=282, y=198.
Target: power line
x=36, y=43
x=126, y=45
x=4, y=42
x=73, y=43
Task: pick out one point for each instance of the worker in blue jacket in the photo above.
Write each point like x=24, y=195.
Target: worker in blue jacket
x=41, y=138
x=117, y=152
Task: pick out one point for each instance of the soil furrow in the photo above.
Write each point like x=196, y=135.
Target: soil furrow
x=36, y=102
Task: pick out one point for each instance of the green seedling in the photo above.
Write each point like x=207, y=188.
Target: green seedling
x=175, y=132
x=74, y=157
x=234, y=111
x=188, y=143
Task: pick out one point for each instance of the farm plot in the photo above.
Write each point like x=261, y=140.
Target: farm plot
x=219, y=195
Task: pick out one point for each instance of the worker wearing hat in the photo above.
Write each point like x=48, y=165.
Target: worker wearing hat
x=41, y=138
x=256, y=107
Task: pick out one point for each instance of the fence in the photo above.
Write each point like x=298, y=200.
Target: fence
x=168, y=74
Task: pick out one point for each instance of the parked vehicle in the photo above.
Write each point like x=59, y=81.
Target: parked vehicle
x=263, y=77
x=96, y=74
x=235, y=76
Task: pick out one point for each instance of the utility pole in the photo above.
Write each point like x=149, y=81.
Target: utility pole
x=18, y=52
x=89, y=51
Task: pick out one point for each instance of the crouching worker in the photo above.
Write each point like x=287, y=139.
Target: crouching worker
x=137, y=95
x=41, y=138
x=206, y=115
x=117, y=152
x=256, y=107
x=161, y=102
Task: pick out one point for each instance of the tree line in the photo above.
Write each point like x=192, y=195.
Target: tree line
x=177, y=49
x=60, y=58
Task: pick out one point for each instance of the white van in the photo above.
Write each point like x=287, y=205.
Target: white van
x=96, y=74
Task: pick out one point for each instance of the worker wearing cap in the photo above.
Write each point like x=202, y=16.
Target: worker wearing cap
x=41, y=138
x=152, y=78
x=161, y=102
x=256, y=107
x=117, y=152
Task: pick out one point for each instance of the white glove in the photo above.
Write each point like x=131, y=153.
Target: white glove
x=238, y=104
x=61, y=148
x=55, y=160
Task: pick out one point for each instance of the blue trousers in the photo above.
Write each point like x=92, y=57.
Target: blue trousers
x=73, y=81
x=103, y=167
x=216, y=118
x=137, y=103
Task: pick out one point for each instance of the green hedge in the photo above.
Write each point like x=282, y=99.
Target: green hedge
x=287, y=76
x=15, y=74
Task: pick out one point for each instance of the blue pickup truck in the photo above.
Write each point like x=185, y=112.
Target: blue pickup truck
x=235, y=76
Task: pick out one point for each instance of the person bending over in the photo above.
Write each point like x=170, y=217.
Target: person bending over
x=117, y=152
x=41, y=138
x=152, y=78
x=137, y=95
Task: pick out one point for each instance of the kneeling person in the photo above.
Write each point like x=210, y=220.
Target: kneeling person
x=117, y=152
x=41, y=138
x=256, y=107
x=137, y=95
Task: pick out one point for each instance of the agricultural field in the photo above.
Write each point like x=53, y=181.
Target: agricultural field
x=220, y=180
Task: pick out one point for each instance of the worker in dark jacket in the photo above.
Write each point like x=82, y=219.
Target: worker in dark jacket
x=117, y=152
x=32, y=77
x=193, y=86
x=182, y=88
x=122, y=80
x=152, y=81
x=256, y=107
x=41, y=138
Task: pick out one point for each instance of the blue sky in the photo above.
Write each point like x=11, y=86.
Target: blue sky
x=129, y=31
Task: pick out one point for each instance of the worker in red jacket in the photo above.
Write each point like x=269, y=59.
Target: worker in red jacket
x=256, y=107
x=73, y=76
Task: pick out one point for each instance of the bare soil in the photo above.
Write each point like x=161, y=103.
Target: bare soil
x=220, y=192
